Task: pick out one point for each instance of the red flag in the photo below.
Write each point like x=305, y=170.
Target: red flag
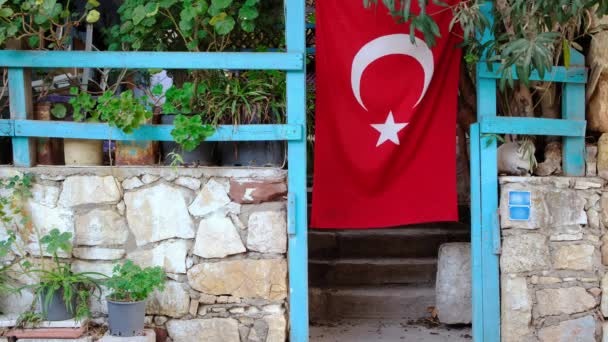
x=385, y=148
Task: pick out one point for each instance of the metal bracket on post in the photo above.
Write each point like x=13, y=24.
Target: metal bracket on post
x=291, y=214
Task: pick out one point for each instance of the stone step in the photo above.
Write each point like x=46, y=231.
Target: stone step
x=374, y=271
x=419, y=242
x=395, y=302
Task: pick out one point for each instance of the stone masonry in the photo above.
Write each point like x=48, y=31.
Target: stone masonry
x=553, y=283
x=219, y=233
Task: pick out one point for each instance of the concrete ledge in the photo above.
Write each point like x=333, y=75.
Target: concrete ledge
x=61, y=171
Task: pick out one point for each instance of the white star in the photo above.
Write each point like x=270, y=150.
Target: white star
x=389, y=130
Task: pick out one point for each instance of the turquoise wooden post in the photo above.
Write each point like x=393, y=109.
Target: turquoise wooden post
x=476, y=254
x=298, y=232
x=487, y=309
x=20, y=107
x=573, y=108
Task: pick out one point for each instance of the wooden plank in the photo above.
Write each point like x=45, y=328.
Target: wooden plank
x=295, y=14
x=573, y=109
x=533, y=126
x=574, y=74
x=152, y=60
x=488, y=177
x=20, y=99
x=476, y=257
x=102, y=131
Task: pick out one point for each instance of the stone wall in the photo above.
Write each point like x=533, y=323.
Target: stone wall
x=220, y=234
x=553, y=283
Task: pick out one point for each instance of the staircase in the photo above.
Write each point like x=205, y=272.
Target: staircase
x=376, y=273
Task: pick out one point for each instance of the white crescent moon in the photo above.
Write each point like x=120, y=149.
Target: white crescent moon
x=394, y=44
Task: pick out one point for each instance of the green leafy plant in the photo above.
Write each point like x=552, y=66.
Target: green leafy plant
x=527, y=34
x=189, y=131
x=124, y=111
x=44, y=24
x=198, y=25
x=79, y=286
x=131, y=283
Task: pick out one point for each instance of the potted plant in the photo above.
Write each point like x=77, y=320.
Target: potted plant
x=124, y=111
x=207, y=26
x=63, y=294
x=131, y=285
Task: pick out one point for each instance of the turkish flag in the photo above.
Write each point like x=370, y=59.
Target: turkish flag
x=385, y=145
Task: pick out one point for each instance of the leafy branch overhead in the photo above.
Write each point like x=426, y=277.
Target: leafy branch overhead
x=528, y=35
x=198, y=25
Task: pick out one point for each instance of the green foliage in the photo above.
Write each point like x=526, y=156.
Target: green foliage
x=189, y=131
x=131, y=283
x=124, y=111
x=199, y=25
x=39, y=21
x=61, y=278
x=527, y=34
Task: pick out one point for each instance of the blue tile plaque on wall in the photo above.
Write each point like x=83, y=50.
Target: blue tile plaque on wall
x=519, y=205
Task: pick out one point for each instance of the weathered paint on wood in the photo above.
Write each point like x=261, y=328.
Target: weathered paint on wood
x=532, y=126
x=295, y=14
x=152, y=60
x=476, y=251
x=488, y=314
x=102, y=131
x=573, y=108
x=20, y=100
x=573, y=74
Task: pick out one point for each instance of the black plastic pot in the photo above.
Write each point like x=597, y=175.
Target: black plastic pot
x=253, y=153
x=204, y=154
x=126, y=319
x=57, y=310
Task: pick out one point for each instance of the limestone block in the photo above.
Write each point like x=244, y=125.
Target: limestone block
x=564, y=301
x=453, y=285
x=249, y=191
x=212, y=197
x=516, y=308
x=267, y=232
x=148, y=178
x=189, y=182
x=47, y=195
x=264, y=278
x=566, y=233
x=217, y=237
x=558, y=200
x=208, y=330
x=576, y=330
x=78, y=190
x=574, y=257
x=46, y=219
x=170, y=255
x=593, y=217
x=537, y=211
x=132, y=183
x=98, y=253
x=602, y=149
x=604, y=300
x=591, y=160
x=89, y=266
x=174, y=301
x=16, y=304
x=158, y=213
x=101, y=227
x=149, y=336
x=525, y=252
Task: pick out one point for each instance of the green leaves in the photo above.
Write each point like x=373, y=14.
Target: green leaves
x=222, y=23
x=93, y=16
x=131, y=283
x=190, y=132
x=56, y=241
x=59, y=110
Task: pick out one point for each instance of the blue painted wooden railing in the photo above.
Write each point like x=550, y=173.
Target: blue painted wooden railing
x=21, y=128
x=485, y=229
